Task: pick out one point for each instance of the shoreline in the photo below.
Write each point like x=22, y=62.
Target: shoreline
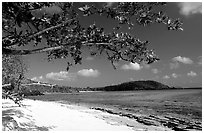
x=36, y=115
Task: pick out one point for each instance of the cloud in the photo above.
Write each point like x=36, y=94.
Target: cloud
x=189, y=8
x=39, y=79
x=155, y=71
x=132, y=79
x=36, y=78
x=200, y=60
x=60, y=76
x=145, y=65
x=184, y=60
x=166, y=77
x=174, y=75
x=88, y=73
x=179, y=59
x=46, y=10
x=174, y=65
x=192, y=74
x=131, y=66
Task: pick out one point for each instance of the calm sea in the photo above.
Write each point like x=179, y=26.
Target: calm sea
x=179, y=103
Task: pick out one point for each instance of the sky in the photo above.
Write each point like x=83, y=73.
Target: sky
x=180, y=54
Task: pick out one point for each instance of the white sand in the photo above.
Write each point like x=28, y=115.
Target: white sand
x=39, y=115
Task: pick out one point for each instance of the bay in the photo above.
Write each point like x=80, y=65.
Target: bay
x=183, y=105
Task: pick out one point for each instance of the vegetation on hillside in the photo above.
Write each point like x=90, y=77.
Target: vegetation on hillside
x=136, y=85
x=39, y=89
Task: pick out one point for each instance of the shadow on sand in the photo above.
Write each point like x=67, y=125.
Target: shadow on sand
x=10, y=124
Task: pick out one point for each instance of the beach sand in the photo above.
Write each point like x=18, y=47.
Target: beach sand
x=37, y=115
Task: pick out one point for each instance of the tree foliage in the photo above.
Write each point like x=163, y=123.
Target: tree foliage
x=57, y=25
x=13, y=68
x=13, y=72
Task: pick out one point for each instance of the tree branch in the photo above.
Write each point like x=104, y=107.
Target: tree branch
x=26, y=52
x=8, y=51
x=6, y=85
x=50, y=28
x=36, y=34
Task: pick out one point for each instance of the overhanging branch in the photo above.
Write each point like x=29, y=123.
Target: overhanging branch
x=35, y=34
x=50, y=28
x=26, y=52
x=8, y=51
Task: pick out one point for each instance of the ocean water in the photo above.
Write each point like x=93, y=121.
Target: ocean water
x=182, y=104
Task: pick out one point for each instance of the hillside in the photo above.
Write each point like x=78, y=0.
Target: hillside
x=33, y=86
x=134, y=85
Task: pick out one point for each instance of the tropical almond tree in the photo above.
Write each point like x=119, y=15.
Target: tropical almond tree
x=57, y=24
x=54, y=28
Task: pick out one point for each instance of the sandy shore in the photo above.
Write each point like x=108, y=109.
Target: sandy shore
x=56, y=116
